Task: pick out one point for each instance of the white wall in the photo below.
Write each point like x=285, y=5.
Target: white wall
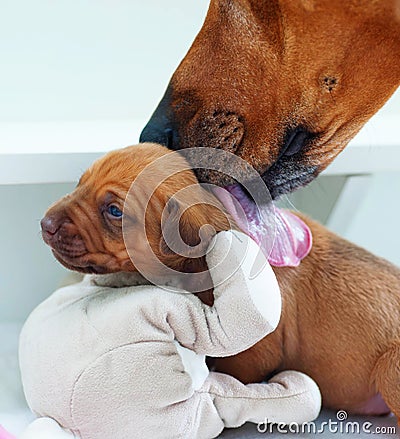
x=28, y=270
x=91, y=59
x=376, y=222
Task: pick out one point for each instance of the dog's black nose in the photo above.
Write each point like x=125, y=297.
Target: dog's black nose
x=161, y=127
x=49, y=225
x=159, y=132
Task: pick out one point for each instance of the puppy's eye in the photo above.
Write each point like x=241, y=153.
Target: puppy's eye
x=114, y=211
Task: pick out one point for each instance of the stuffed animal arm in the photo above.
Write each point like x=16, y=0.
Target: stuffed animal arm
x=245, y=302
x=104, y=359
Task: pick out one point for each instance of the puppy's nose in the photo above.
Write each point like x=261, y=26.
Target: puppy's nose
x=49, y=225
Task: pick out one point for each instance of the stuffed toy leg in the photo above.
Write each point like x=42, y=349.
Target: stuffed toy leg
x=223, y=401
x=109, y=359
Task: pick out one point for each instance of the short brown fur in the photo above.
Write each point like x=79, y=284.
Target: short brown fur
x=260, y=69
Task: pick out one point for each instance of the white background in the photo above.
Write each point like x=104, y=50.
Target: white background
x=91, y=59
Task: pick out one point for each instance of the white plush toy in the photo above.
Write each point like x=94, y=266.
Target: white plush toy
x=111, y=359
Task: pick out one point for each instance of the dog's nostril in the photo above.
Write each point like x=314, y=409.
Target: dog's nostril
x=169, y=138
x=49, y=225
x=158, y=134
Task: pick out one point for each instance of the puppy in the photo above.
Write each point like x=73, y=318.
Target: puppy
x=341, y=305
x=84, y=228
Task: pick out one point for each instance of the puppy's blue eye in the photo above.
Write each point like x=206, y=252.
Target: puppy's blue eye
x=114, y=211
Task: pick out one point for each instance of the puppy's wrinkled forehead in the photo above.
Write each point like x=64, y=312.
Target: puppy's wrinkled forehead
x=115, y=172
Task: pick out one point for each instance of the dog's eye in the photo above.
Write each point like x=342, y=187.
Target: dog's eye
x=114, y=211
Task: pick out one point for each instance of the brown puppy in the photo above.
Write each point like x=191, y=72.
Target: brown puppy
x=84, y=228
x=283, y=84
x=341, y=306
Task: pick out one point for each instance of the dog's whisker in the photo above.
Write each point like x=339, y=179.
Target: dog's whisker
x=291, y=204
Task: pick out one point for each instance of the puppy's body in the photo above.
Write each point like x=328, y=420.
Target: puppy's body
x=340, y=325
x=341, y=306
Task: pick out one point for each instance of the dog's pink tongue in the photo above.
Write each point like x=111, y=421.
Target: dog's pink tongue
x=284, y=238
x=293, y=240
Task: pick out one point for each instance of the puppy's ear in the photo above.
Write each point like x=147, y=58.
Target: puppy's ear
x=200, y=266
x=207, y=297
x=185, y=231
x=186, y=236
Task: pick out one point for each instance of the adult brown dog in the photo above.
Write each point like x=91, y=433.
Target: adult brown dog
x=341, y=306
x=283, y=84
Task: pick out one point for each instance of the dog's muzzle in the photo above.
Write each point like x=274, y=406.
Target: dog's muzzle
x=61, y=235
